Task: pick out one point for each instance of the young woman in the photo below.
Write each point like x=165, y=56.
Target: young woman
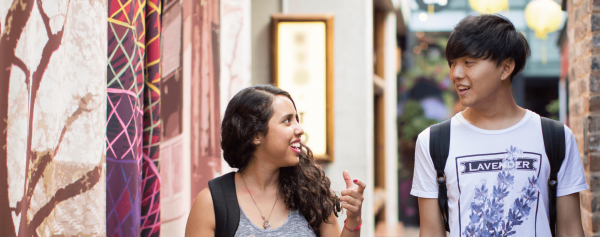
x=280, y=189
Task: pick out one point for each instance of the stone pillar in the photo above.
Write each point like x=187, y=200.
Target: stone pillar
x=584, y=101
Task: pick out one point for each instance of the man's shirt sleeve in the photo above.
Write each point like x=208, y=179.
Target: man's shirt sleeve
x=424, y=178
x=571, y=178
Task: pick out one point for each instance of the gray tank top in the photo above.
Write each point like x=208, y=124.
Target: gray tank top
x=295, y=225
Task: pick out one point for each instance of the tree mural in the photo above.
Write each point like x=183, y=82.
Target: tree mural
x=24, y=218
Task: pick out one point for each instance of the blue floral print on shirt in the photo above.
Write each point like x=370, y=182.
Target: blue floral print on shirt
x=487, y=217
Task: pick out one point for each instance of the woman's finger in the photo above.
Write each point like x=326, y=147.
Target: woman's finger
x=350, y=200
x=349, y=207
x=352, y=193
x=361, y=185
x=347, y=179
x=356, y=195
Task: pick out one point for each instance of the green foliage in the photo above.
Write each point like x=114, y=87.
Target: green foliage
x=428, y=64
x=553, y=109
x=414, y=121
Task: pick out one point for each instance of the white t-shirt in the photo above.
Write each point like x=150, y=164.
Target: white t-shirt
x=486, y=190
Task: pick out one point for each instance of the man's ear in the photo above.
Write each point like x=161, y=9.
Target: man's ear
x=508, y=66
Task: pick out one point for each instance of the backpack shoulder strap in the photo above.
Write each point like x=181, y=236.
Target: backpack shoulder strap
x=227, y=209
x=554, y=143
x=439, y=148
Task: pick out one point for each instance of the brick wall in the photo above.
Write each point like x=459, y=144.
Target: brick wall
x=583, y=32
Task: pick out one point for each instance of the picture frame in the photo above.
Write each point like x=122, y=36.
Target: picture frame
x=302, y=64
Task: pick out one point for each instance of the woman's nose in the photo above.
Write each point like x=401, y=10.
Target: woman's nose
x=299, y=131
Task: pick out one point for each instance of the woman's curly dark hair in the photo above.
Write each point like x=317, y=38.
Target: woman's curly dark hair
x=303, y=187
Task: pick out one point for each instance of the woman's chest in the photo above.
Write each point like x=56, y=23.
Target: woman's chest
x=264, y=212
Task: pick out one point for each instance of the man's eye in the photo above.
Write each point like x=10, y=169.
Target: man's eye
x=287, y=120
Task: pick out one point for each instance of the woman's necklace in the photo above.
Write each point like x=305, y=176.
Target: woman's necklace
x=266, y=223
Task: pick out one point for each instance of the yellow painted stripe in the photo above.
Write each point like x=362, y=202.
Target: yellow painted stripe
x=140, y=12
x=153, y=6
x=148, y=84
x=153, y=63
x=152, y=40
x=123, y=10
x=120, y=23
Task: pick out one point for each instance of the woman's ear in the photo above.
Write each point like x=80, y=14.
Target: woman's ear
x=257, y=139
x=508, y=66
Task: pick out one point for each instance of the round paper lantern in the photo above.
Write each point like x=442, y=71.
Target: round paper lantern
x=543, y=17
x=488, y=6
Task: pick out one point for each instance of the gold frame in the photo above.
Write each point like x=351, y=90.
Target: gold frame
x=328, y=20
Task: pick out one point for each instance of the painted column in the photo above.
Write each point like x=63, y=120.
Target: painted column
x=235, y=53
x=52, y=117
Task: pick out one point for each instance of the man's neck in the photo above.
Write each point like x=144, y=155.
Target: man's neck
x=499, y=112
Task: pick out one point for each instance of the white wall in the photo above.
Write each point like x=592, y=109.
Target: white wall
x=391, y=127
x=261, y=11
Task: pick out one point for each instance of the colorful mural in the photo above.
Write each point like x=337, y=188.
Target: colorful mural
x=90, y=117
x=52, y=114
x=133, y=123
x=151, y=185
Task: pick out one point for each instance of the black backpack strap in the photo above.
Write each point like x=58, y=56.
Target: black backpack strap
x=227, y=209
x=554, y=142
x=439, y=148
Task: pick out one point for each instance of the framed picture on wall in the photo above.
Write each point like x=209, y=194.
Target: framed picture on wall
x=302, y=64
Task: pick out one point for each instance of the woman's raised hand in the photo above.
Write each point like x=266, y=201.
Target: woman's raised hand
x=352, y=197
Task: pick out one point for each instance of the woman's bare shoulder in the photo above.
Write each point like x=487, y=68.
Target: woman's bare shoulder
x=201, y=221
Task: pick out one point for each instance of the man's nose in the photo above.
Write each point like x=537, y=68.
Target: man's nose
x=457, y=72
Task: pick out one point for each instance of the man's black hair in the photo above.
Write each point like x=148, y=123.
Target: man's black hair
x=488, y=37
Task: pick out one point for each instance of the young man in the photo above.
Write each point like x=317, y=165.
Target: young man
x=486, y=195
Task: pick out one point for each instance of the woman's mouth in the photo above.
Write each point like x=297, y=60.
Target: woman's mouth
x=296, y=147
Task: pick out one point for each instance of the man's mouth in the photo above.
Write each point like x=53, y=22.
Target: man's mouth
x=463, y=88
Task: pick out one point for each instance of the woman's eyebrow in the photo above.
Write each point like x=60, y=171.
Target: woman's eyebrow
x=287, y=116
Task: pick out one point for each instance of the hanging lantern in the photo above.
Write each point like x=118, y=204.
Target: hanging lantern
x=488, y=6
x=543, y=17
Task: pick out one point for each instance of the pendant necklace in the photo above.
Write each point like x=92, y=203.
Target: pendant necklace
x=266, y=223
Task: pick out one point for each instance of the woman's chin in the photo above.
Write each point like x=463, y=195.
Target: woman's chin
x=293, y=161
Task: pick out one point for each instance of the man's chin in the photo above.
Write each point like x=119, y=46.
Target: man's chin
x=466, y=103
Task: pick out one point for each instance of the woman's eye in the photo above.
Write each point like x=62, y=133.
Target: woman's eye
x=286, y=120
